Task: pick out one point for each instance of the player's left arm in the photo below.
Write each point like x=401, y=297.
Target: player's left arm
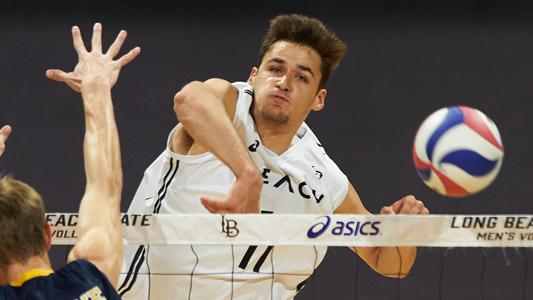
x=4, y=134
x=388, y=261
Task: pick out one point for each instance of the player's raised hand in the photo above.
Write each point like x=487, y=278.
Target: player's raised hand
x=4, y=134
x=242, y=198
x=94, y=63
x=408, y=205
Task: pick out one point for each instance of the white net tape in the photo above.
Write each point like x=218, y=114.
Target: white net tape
x=299, y=230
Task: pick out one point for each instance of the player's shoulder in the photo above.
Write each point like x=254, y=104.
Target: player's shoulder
x=244, y=97
x=78, y=279
x=242, y=86
x=85, y=274
x=326, y=170
x=312, y=143
x=7, y=293
x=221, y=86
x=224, y=86
x=217, y=82
x=315, y=152
x=80, y=269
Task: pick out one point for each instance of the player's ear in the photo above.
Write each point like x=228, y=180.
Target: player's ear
x=253, y=73
x=47, y=236
x=320, y=99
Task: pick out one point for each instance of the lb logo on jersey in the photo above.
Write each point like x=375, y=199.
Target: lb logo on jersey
x=347, y=228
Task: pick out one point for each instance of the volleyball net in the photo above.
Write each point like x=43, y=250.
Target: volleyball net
x=307, y=230
x=459, y=256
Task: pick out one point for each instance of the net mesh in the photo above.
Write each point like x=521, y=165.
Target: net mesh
x=439, y=273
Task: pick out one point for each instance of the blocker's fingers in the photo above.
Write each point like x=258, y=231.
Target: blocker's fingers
x=96, y=42
x=78, y=41
x=126, y=58
x=117, y=44
x=57, y=75
x=4, y=133
x=75, y=85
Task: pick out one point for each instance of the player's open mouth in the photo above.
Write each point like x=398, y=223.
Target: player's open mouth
x=280, y=96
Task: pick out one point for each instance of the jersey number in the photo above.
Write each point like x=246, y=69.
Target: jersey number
x=250, y=252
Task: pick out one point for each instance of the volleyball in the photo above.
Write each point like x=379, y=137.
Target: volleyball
x=458, y=151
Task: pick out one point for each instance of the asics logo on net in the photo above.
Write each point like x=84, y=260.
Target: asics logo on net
x=319, y=228
x=349, y=228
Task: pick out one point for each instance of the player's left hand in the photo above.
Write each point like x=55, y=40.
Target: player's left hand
x=4, y=134
x=408, y=205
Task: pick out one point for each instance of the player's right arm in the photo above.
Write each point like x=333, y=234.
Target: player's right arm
x=99, y=229
x=205, y=110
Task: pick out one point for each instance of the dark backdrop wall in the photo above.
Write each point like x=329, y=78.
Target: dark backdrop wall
x=405, y=60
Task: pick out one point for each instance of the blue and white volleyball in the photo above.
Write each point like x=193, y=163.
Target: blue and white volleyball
x=458, y=151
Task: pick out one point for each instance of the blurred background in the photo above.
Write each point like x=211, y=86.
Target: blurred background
x=406, y=59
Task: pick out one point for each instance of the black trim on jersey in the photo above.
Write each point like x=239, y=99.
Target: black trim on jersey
x=149, y=277
x=193, y=269
x=132, y=266
x=141, y=254
x=301, y=284
x=166, y=175
x=250, y=92
x=135, y=273
x=164, y=188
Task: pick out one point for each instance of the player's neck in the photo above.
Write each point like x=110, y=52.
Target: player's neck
x=16, y=270
x=276, y=138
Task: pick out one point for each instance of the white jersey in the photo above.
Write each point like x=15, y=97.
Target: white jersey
x=301, y=180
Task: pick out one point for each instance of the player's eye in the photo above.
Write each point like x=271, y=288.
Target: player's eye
x=275, y=69
x=301, y=77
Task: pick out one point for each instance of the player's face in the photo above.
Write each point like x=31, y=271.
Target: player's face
x=286, y=84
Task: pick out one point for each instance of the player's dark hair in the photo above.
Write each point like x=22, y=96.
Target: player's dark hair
x=309, y=32
x=21, y=222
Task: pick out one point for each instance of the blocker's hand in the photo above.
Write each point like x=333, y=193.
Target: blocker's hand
x=4, y=134
x=94, y=63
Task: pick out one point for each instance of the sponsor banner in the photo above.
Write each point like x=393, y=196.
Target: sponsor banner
x=333, y=230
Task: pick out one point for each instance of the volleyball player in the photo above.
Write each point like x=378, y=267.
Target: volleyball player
x=25, y=237
x=244, y=148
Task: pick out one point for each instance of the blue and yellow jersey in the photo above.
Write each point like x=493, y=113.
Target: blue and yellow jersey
x=78, y=280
